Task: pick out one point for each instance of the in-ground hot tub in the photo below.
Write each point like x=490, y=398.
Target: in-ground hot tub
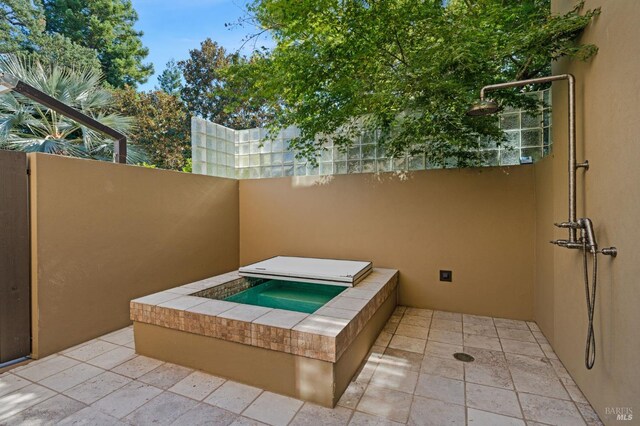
x=235, y=326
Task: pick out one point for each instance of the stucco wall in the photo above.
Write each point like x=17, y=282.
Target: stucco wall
x=608, y=91
x=479, y=223
x=103, y=234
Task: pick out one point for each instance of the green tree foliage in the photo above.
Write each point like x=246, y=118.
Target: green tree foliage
x=28, y=126
x=162, y=125
x=212, y=93
x=106, y=26
x=407, y=69
x=170, y=79
x=22, y=31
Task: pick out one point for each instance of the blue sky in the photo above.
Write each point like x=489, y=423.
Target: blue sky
x=173, y=27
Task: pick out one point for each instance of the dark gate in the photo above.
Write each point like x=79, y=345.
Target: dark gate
x=15, y=329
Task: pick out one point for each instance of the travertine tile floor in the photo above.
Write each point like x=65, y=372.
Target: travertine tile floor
x=409, y=377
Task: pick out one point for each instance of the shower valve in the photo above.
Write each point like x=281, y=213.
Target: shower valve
x=569, y=225
x=567, y=244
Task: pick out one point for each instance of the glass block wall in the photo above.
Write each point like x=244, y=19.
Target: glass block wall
x=213, y=149
x=244, y=154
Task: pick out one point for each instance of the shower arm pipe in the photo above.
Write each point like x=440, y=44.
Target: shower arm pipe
x=573, y=165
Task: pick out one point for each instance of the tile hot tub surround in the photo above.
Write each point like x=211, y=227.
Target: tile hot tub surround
x=337, y=334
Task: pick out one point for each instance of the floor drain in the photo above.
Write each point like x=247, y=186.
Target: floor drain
x=463, y=357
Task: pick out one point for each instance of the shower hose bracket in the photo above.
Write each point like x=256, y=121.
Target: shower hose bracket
x=584, y=165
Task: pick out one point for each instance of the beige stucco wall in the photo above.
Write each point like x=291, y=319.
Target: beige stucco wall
x=608, y=94
x=478, y=223
x=104, y=233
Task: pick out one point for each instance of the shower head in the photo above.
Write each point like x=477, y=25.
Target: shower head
x=483, y=107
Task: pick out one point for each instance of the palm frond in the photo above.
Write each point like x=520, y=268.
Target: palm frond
x=28, y=126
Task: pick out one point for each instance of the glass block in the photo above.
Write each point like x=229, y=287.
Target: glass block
x=486, y=142
x=254, y=172
x=237, y=149
x=509, y=157
x=265, y=147
x=276, y=145
x=451, y=162
x=221, y=145
x=354, y=167
x=534, y=95
x=243, y=173
x=368, y=152
x=288, y=170
x=201, y=139
x=546, y=150
x=368, y=137
x=326, y=155
x=230, y=160
x=254, y=134
x=210, y=142
x=277, y=171
x=265, y=159
x=354, y=153
x=416, y=162
x=535, y=153
x=288, y=157
x=236, y=162
x=254, y=160
x=312, y=170
x=229, y=134
x=286, y=144
x=531, y=137
x=368, y=166
x=200, y=154
x=326, y=168
x=244, y=148
x=211, y=169
x=244, y=161
x=276, y=159
x=509, y=121
x=489, y=157
x=290, y=132
x=341, y=167
x=254, y=147
x=339, y=155
x=244, y=135
x=546, y=117
x=512, y=139
x=199, y=168
x=230, y=147
x=546, y=96
x=399, y=164
x=199, y=125
x=211, y=156
x=383, y=165
x=301, y=170
x=546, y=136
x=265, y=172
x=531, y=120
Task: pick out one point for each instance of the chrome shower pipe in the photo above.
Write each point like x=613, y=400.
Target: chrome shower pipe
x=573, y=165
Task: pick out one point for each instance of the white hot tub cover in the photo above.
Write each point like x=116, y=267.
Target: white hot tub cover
x=308, y=269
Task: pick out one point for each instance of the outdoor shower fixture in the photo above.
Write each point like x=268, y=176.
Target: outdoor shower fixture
x=587, y=241
x=10, y=83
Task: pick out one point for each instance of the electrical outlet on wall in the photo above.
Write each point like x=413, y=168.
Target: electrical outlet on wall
x=446, y=276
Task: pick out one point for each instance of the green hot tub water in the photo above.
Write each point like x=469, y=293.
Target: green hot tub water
x=289, y=295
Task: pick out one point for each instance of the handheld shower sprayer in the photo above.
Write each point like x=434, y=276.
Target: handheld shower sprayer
x=587, y=240
x=588, y=236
